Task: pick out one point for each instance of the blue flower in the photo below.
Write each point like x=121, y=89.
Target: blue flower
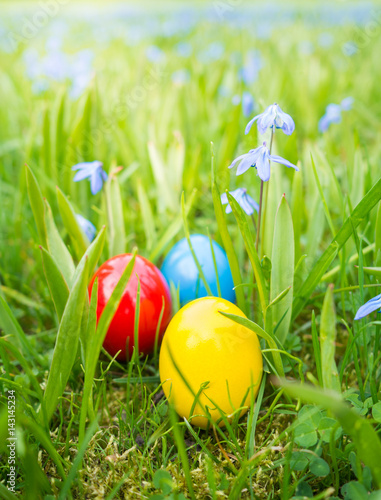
x=93, y=171
x=87, y=227
x=333, y=113
x=154, y=54
x=346, y=104
x=56, y=66
x=368, y=307
x=260, y=159
x=250, y=71
x=81, y=72
x=272, y=116
x=184, y=49
x=245, y=201
x=247, y=104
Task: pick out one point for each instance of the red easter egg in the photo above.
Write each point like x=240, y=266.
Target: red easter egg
x=154, y=291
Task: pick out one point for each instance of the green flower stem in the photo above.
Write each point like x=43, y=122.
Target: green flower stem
x=263, y=209
x=259, y=216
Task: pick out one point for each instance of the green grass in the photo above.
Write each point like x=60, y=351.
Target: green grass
x=91, y=427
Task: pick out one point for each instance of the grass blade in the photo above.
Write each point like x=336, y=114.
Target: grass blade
x=95, y=338
x=250, y=248
x=166, y=198
x=330, y=374
x=322, y=197
x=373, y=271
x=60, y=133
x=116, y=229
x=227, y=241
x=37, y=203
x=57, y=247
x=187, y=235
x=78, y=238
x=7, y=494
x=42, y=437
x=24, y=364
x=77, y=461
x=11, y=326
x=47, y=148
x=59, y=290
x=88, y=383
x=172, y=230
x=147, y=215
x=297, y=203
x=282, y=271
x=316, y=345
x=252, y=420
x=179, y=440
x=270, y=339
x=65, y=350
x=214, y=263
x=357, y=216
x=92, y=254
x=377, y=250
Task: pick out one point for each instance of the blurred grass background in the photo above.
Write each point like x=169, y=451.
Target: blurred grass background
x=147, y=87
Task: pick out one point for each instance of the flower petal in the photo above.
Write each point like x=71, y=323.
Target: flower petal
x=252, y=202
x=249, y=161
x=246, y=207
x=284, y=121
x=346, y=104
x=87, y=227
x=80, y=166
x=91, y=165
x=263, y=166
x=96, y=182
x=324, y=123
x=283, y=161
x=224, y=198
x=82, y=174
x=238, y=159
x=333, y=111
x=288, y=124
x=368, y=307
x=267, y=119
x=247, y=103
x=250, y=124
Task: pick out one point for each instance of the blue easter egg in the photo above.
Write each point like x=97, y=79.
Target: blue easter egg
x=179, y=267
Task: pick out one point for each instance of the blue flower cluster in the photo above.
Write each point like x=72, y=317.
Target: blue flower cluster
x=260, y=157
x=57, y=66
